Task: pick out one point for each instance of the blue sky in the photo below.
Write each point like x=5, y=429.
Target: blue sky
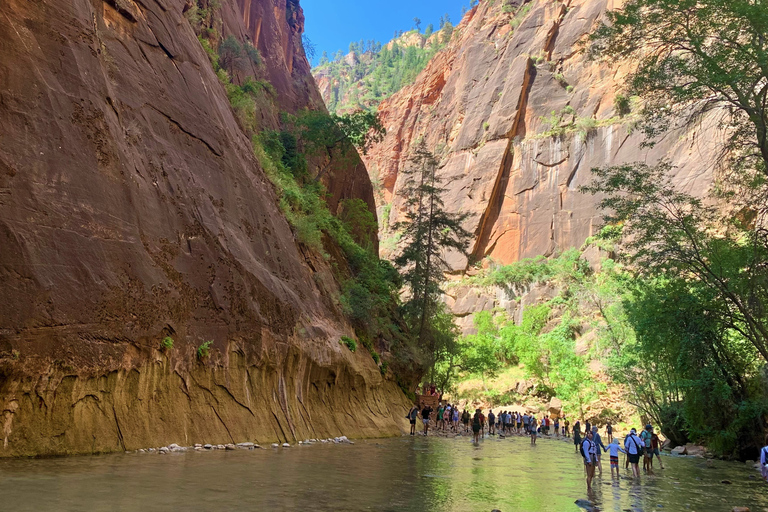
x=332, y=24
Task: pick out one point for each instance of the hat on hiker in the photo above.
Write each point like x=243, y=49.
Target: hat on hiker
x=649, y=427
x=633, y=431
x=594, y=428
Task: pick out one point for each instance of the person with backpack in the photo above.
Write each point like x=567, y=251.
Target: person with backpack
x=566, y=427
x=557, y=426
x=609, y=432
x=465, y=420
x=491, y=423
x=532, y=427
x=439, y=418
x=646, y=435
x=477, y=425
x=412, y=416
x=588, y=452
x=634, y=448
x=764, y=460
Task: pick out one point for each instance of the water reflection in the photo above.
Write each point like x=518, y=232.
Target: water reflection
x=405, y=474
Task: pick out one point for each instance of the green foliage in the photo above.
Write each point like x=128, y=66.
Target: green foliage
x=428, y=233
x=230, y=52
x=566, y=268
x=166, y=343
x=696, y=376
x=520, y=15
x=622, y=105
x=369, y=294
x=378, y=73
x=322, y=133
x=349, y=342
x=212, y=55
x=204, y=350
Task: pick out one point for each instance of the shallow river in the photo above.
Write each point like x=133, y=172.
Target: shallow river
x=403, y=474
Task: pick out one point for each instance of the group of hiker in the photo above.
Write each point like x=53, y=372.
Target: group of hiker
x=647, y=445
x=447, y=417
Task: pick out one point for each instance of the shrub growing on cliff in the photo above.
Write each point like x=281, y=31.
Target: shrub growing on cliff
x=204, y=350
x=166, y=343
x=349, y=343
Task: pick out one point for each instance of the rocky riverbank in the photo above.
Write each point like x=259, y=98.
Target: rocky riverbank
x=199, y=447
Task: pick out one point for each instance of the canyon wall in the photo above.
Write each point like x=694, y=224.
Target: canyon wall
x=518, y=116
x=132, y=209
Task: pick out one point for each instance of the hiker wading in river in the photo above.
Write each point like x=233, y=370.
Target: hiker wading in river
x=425, y=414
x=477, y=425
x=634, y=447
x=589, y=452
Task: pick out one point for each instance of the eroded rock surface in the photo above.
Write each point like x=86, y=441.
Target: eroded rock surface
x=132, y=209
x=518, y=117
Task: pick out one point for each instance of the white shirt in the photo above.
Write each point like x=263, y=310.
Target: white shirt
x=633, y=443
x=589, y=448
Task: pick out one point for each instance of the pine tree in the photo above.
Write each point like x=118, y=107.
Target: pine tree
x=429, y=232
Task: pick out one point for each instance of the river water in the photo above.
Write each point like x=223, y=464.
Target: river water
x=402, y=474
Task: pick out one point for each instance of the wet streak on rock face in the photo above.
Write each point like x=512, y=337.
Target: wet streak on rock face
x=132, y=208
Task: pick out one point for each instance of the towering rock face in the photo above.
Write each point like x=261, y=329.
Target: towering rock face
x=132, y=209
x=518, y=116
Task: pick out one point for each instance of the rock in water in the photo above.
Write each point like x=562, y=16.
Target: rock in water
x=679, y=450
x=585, y=504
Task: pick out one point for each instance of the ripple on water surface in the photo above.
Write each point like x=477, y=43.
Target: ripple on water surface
x=404, y=474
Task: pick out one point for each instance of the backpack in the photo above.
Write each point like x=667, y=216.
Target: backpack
x=476, y=419
x=581, y=447
x=639, y=446
x=414, y=414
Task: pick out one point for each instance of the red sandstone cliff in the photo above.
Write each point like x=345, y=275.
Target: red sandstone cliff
x=486, y=103
x=132, y=208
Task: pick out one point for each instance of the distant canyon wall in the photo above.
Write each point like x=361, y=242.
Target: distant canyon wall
x=518, y=117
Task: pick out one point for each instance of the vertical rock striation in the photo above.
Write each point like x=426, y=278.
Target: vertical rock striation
x=518, y=117
x=132, y=209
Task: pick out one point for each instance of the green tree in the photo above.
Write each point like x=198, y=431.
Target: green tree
x=230, y=54
x=417, y=23
x=690, y=372
x=671, y=233
x=428, y=233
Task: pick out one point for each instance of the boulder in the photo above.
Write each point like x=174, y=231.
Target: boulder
x=695, y=450
x=555, y=406
x=679, y=450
